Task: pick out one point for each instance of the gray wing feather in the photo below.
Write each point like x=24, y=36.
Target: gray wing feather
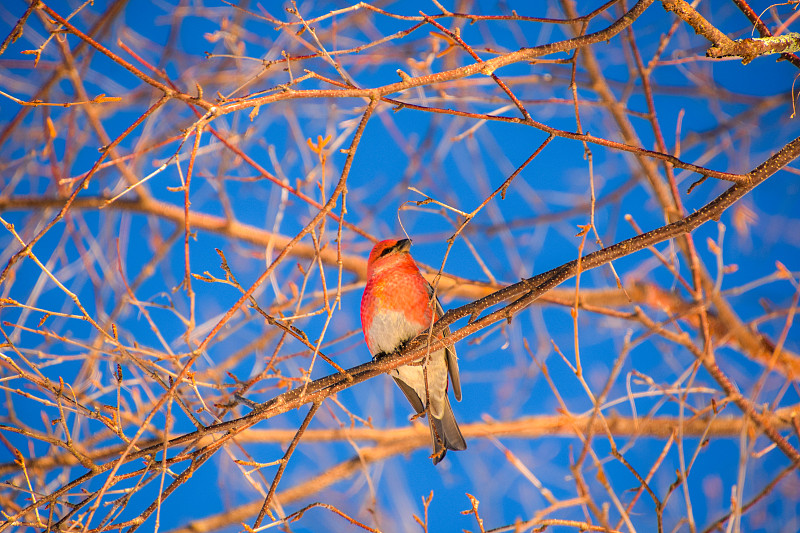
x=411, y=395
x=452, y=360
x=445, y=434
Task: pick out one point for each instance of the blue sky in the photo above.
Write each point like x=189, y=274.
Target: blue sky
x=723, y=115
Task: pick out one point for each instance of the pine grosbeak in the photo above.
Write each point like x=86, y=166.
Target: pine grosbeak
x=395, y=308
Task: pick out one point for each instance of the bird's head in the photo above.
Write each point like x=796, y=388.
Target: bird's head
x=389, y=252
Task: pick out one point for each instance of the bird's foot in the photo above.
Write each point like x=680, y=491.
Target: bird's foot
x=417, y=415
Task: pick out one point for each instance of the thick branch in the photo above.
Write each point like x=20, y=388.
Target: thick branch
x=751, y=48
x=723, y=46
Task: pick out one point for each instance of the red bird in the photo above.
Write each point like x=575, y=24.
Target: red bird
x=395, y=308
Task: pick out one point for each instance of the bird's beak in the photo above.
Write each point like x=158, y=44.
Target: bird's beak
x=403, y=245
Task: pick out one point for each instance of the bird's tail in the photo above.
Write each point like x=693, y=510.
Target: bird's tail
x=445, y=434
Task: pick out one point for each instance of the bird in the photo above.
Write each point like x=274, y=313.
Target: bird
x=397, y=305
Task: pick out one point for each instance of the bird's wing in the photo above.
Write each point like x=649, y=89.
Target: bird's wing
x=452, y=360
x=411, y=395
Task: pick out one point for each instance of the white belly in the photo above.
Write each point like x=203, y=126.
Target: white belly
x=391, y=329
